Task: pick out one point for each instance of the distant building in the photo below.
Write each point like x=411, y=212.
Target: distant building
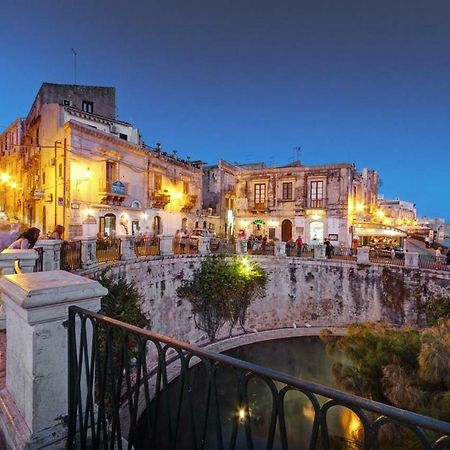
x=316, y=202
x=435, y=225
x=82, y=168
x=398, y=213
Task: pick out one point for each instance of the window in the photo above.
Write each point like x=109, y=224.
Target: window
x=87, y=106
x=316, y=194
x=185, y=187
x=158, y=182
x=123, y=136
x=287, y=190
x=260, y=194
x=111, y=171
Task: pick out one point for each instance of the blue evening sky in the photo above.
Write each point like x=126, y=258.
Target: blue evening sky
x=249, y=80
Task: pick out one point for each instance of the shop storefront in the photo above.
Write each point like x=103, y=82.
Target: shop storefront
x=378, y=236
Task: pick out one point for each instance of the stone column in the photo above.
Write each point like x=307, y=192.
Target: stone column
x=34, y=402
x=203, y=245
x=88, y=251
x=319, y=252
x=412, y=260
x=280, y=248
x=127, y=247
x=362, y=255
x=52, y=253
x=166, y=245
x=241, y=246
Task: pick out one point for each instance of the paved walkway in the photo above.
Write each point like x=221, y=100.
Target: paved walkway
x=413, y=245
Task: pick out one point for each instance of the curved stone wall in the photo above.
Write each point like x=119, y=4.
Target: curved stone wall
x=300, y=293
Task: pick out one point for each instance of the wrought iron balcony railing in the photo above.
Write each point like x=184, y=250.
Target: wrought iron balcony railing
x=130, y=388
x=159, y=199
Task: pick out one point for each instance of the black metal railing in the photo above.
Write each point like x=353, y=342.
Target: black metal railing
x=70, y=259
x=386, y=257
x=39, y=265
x=130, y=388
x=343, y=254
x=433, y=262
x=108, y=250
x=146, y=246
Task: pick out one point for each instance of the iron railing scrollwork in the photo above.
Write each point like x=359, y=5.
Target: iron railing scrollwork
x=70, y=259
x=130, y=388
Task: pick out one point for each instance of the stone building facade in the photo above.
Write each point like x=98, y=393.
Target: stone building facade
x=86, y=170
x=316, y=202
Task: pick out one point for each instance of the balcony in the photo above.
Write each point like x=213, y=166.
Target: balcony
x=259, y=207
x=113, y=192
x=191, y=201
x=159, y=199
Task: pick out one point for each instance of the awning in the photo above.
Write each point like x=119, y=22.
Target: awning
x=371, y=229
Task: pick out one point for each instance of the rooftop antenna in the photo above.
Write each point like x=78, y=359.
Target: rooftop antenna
x=297, y=151
x=74, y=65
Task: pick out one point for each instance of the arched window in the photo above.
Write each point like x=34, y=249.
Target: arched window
x=316, y=232
x=107, y=225
x=286, y=230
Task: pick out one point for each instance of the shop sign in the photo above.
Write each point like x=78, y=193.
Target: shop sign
x=259, y=222
x=117, y=187
x=333, y=237
x=60, y=201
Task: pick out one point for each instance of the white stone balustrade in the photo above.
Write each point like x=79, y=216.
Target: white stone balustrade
x=319, y=252
x=88, y=251
x=166, y=245
x=127, y=247
x=280, y=248
x=362, y=255
x=51, y=258
x=412, y=260
x=34, y=402
x=204, y=245
x=241, y=246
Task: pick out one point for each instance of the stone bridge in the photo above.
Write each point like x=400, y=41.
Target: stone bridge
x=301, y=293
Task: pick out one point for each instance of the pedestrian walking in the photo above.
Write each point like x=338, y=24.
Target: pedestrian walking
x=299, y=243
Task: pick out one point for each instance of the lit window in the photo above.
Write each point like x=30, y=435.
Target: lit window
x=185, y=187
x=260, y=194
x=316, y=194
x=158, y=182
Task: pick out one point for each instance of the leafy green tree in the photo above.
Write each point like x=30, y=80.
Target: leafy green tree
x=221, y=291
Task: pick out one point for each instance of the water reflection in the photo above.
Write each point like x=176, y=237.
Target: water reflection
x=301, y=357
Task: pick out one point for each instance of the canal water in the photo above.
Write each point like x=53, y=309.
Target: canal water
x=303, y=357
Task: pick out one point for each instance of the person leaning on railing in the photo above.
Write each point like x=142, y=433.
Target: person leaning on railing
x=57, y=233
x=26, y=240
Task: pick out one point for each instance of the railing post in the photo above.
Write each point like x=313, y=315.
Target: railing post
x=412, y=260
x=127, y=247
x=52, y=253
x=88, y=251
x=241, y=246
x=35, y=401
x=319, y=252
x=280, y=248
x=204, y=245
x=362, y=255
x=166, y=245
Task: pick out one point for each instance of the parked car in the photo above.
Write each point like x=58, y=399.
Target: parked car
x=197, y=233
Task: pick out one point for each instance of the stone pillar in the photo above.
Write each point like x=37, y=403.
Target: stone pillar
x=319, y=252
x=241, y=246
x=166, y=245
x=204, y=245
x=280, y=248
x=127, y=247
x=88, y=251
x=34, y=402
x=362, y=255
x=412, y=260
x=52, y=253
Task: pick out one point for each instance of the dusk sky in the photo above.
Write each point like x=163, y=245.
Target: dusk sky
x=250, y=80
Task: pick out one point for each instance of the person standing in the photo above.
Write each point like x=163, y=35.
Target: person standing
x=299, y=243
x=328, y=249
x=437, y=257
x=26, y=240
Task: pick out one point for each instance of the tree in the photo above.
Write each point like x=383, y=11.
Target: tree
x=221, y=290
